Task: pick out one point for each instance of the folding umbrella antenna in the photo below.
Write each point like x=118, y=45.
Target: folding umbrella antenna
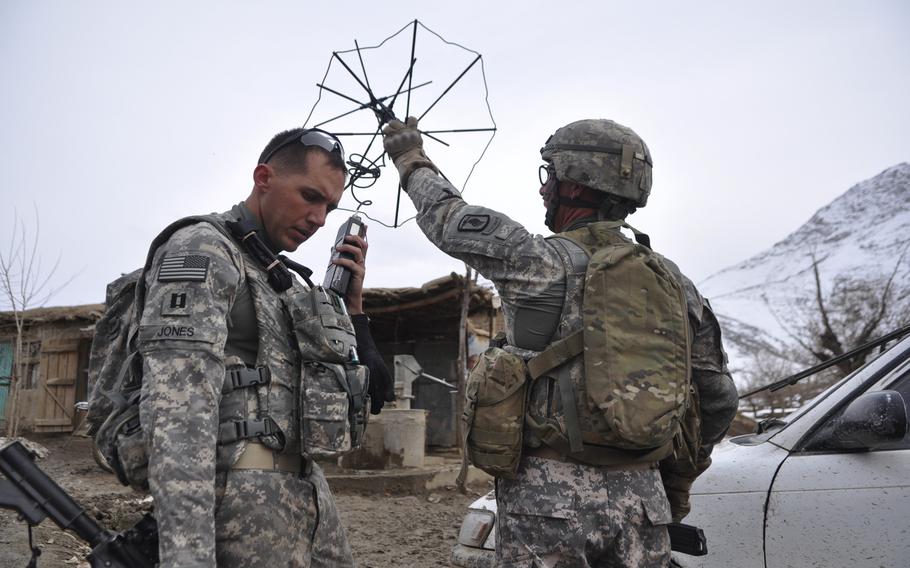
x=366, y=87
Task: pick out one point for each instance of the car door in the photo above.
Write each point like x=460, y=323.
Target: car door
x=842, y=508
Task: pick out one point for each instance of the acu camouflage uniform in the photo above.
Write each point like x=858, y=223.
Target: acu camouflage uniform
x=557, y=513
x=193, y=329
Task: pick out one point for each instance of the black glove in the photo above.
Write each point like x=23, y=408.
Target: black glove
x=382, y=385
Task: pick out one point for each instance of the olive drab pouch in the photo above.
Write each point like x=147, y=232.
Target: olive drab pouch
x=497, y=396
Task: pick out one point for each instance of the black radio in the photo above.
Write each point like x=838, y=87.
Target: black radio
x=337, y=277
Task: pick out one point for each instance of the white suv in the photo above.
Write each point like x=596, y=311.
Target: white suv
x=829, y=486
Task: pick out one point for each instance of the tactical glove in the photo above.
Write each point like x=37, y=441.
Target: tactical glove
x=403, y=143
x=677, y=489
x=382, y=385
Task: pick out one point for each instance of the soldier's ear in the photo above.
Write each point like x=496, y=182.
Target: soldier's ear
x=261, y=177
x=570, y=189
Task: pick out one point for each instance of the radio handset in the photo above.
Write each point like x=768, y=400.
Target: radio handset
x=337, y=278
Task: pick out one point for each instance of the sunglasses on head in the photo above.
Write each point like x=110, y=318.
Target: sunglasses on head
x=310, y=137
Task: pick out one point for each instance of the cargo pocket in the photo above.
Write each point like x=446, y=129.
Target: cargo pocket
x=325, y=409
x=533, y=529
x=657, y=509
x=323, y=328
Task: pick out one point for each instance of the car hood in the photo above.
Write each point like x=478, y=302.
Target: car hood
x=739, y=468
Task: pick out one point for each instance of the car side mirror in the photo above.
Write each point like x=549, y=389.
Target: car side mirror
x=871, y=420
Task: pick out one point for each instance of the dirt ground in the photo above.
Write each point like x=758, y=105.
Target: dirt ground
x=385, y=531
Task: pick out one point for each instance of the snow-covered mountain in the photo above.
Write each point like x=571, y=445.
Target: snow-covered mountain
x=863, y=234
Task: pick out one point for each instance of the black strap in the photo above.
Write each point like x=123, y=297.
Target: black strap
x=36, y=552
x=300, y=269
x=280, y=278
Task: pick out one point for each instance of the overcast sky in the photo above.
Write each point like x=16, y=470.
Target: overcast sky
x=118, y=117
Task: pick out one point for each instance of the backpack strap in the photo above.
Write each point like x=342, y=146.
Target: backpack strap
x=575, y=262
x=641, y=238
x=559, y=352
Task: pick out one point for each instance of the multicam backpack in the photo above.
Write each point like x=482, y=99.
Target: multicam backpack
x=635, y=341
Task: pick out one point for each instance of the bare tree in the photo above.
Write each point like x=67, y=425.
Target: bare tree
x=23, y=285
x=853, y=311
x=767, y=368
x=829, y=322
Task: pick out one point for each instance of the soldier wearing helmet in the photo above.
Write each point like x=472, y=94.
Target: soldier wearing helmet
x=573, y=501
x=601, y=157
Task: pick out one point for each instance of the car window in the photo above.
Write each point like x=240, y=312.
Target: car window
x=821, y=440
x=902, y=385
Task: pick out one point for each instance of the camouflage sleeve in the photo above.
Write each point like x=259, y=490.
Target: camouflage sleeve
x=520, y=264
x=191, y=285
x=716, y=389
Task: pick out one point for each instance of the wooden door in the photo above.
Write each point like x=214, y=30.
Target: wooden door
x=6, y=371
x=58, y=371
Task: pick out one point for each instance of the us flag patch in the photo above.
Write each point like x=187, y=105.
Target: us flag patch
x=184, y=268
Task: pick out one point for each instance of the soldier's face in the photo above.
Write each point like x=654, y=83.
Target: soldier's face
x=294, y=204
x=549, y=191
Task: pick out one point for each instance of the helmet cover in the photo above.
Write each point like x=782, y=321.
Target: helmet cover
x=603, y=155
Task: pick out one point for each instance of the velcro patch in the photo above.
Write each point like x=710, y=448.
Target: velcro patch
x=473, y=223
x=177, y=303
x=176, y=332
x=184, y=268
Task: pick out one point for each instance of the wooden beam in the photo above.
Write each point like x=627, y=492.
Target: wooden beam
x=415, y=304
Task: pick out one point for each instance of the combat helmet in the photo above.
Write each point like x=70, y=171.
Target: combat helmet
x=602, y=155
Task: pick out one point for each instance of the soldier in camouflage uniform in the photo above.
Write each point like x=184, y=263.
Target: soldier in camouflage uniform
x=559, y=511
x=225, y=467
